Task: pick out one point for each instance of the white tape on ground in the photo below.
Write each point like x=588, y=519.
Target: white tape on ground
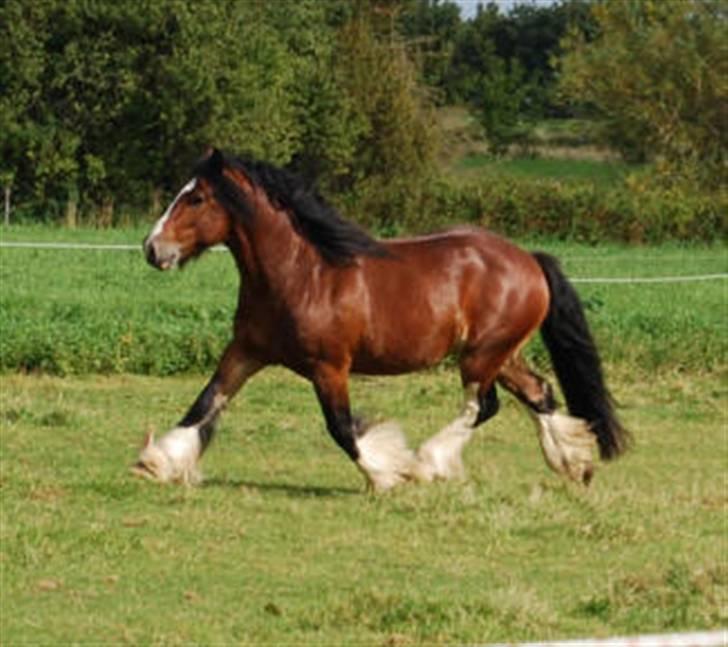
x=81, y=246
x=696, y=639
x=84, y=246
x=220, y=248
x=650, y=279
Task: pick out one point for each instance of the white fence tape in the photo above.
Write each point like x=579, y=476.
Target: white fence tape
x=220, y=248
x=83, y=246
x=650, y=279
x=697, y=639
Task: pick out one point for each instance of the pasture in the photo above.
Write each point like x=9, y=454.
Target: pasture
x=80, y=311
x=281, y=544
x=598, y=172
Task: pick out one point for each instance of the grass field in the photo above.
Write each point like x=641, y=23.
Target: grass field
x=66, y=312
x=595, y=171
x=281, y=544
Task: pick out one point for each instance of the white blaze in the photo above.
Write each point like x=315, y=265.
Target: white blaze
x=187, y=188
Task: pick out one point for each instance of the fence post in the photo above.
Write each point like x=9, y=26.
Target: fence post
x=7, y=204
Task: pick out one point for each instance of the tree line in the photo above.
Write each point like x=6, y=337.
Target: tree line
x=104, y=105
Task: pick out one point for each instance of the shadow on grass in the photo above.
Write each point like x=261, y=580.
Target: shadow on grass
x=289, y=489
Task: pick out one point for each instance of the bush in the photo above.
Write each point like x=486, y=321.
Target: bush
x=636, y=211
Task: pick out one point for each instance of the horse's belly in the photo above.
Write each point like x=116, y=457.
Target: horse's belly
x=369, y=365
x=403, y=352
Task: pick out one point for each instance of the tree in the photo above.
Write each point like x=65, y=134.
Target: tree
x=657, y=75
x=431, y=27
x=107, y=103
x=503, y=105
x=399, y=137
x=527, y=39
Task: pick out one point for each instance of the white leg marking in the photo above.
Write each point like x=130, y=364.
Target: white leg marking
x=384, y=457
x=567, y=445
x=441, y=456
x=173, y=458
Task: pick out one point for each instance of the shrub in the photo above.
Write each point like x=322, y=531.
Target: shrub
x=636, y=211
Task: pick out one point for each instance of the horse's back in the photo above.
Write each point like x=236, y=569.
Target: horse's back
x=448, y=290
x=474, y=252
x=459, y=240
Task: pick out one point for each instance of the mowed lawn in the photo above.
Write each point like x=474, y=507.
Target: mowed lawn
x=282, y=545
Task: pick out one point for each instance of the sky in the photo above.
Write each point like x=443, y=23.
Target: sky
x=469, y=7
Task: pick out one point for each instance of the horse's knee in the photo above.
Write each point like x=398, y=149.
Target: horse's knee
x=488, y=405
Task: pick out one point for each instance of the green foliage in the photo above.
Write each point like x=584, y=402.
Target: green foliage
x=431, y=28
x=636, y=211
x=122, y=96
x=657, y=74
x=502, y=106
x=111, y=103
x=527, y=38
x=104, y=106
x=396, y=151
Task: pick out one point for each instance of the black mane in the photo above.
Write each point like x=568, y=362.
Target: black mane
x=337, y=240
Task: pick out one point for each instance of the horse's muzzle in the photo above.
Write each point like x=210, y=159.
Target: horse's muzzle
x=160, y=255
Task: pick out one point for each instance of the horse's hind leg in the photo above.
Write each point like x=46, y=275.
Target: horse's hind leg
x=379, y=451
x=529, y=387
x=441, y=456
x=566, y=442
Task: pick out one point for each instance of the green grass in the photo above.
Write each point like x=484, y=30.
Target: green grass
x=281, y=545
x=66, y=312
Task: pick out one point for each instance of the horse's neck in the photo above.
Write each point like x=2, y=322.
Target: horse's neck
x=269, y=251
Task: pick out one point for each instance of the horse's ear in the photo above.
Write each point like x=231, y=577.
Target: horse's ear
x=215, y=160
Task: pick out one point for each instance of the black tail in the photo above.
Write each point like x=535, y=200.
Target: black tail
x=576, y=361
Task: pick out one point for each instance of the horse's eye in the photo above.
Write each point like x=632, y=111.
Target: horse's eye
x=195, y=200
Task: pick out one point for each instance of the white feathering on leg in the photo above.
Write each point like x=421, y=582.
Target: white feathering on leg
x=173, y=458
x=567, y=445
x=441, y=456
x=384, y=457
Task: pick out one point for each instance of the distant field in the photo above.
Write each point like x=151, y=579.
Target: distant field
x=79, y=311
x=282, y=545
x=558, y=149
x=604, y=173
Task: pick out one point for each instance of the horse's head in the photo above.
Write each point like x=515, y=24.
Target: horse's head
x=194, y=221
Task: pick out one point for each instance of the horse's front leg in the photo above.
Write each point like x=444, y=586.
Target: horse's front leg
x=380, y=451
x=175, y=455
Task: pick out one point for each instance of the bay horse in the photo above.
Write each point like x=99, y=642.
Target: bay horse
x=323, y=298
